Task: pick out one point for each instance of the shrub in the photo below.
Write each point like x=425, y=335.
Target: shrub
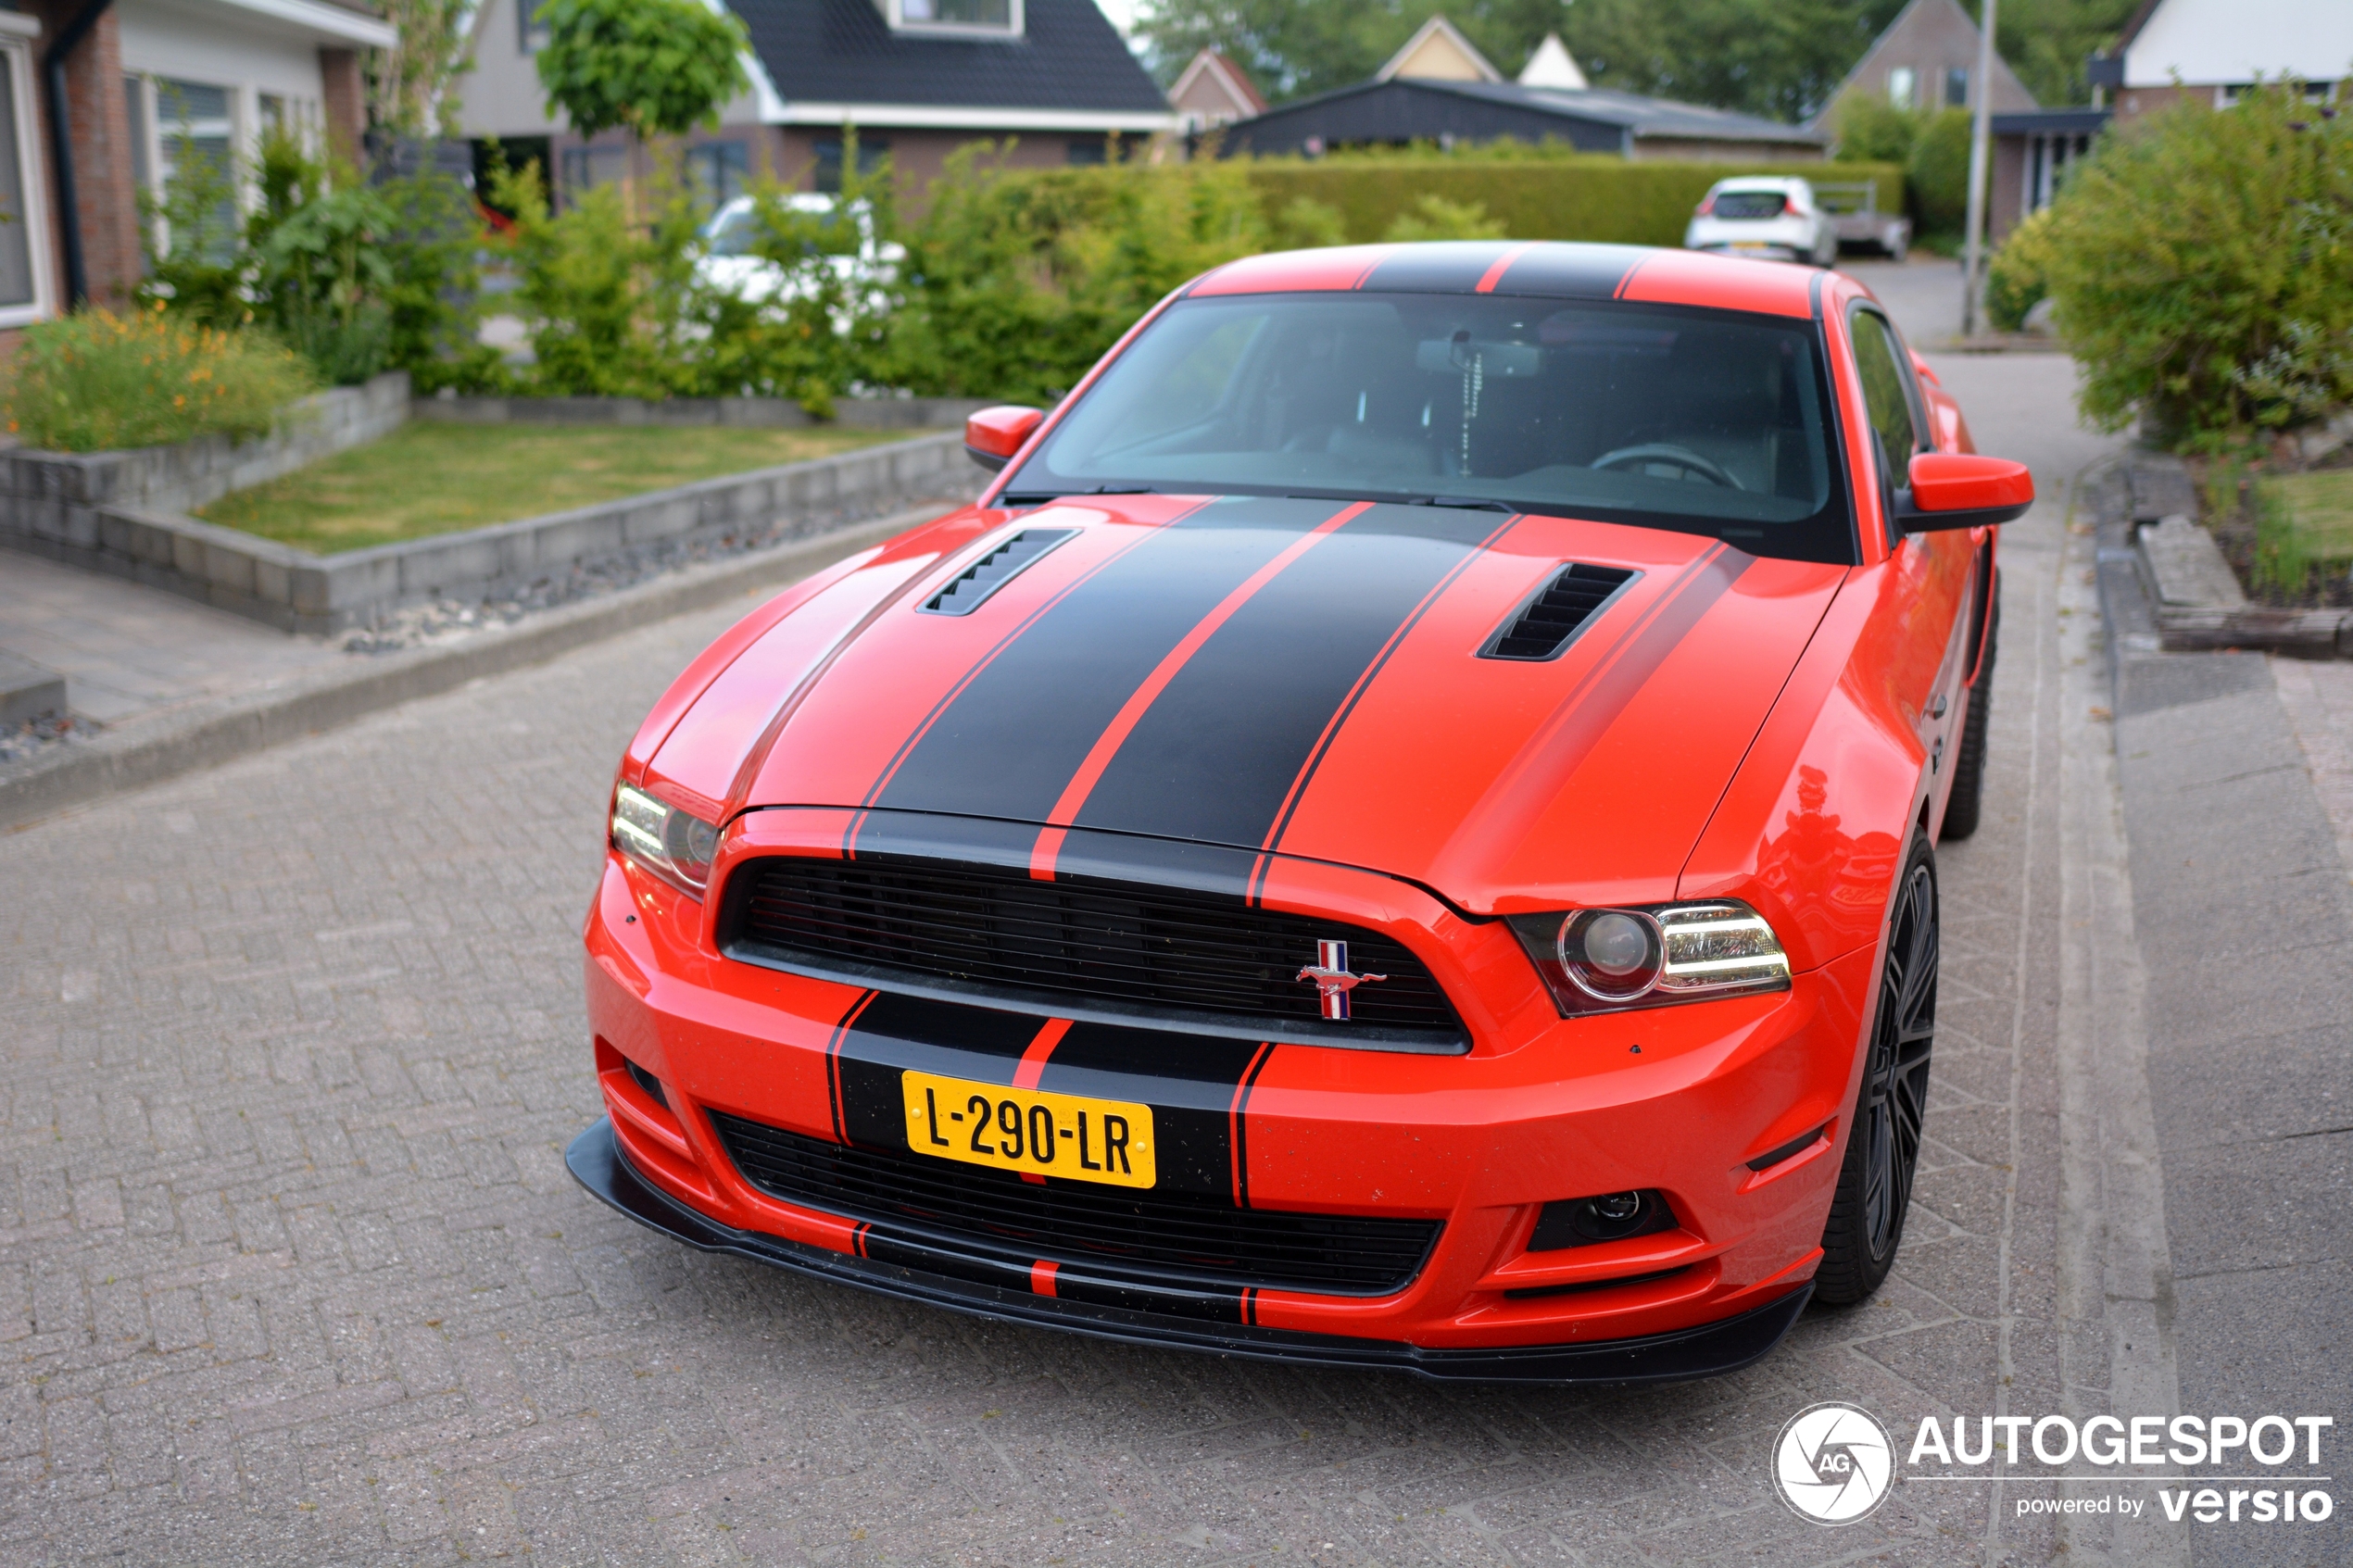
x=1535, y=193
x=2202, y=268
x=1939, y=169
x=95, y=382
x=2018, y=277
x=1016, y=281
x=1871, y=129
x=1433, y=216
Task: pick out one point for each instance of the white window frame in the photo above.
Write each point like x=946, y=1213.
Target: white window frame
x=16, y=33
x=895, y=13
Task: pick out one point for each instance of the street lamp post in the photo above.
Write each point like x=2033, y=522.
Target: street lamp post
x=1980, y=159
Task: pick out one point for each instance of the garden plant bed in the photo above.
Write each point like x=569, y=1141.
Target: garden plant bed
x=2310, y=513
x=427, y=479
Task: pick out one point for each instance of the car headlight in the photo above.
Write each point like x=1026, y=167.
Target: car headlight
x=673, y=845
x=1606, y=961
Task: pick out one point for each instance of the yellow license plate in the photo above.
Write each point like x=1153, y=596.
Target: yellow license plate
x=1748, y=248
x=1030, y=1131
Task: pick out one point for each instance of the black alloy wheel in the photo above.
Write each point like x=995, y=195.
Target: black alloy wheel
x=1883, y=1138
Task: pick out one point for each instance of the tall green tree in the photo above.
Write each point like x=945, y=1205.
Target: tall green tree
x=1778, y=58
x=654, y=66
x=409, y=84
x=2046, y=42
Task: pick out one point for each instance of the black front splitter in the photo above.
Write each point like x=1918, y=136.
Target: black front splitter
x=1707, y=1350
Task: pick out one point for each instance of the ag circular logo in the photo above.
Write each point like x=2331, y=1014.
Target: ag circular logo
x=1833, y=1463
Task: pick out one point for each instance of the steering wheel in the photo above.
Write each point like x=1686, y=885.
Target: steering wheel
x=1662, y=452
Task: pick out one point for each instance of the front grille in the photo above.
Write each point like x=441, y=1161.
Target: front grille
x=1166, y=954
x=1180, y=1240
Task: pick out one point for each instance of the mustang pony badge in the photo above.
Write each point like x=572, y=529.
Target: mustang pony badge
x=1330, y=971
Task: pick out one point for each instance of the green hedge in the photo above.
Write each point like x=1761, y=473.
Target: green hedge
x=1595, y=197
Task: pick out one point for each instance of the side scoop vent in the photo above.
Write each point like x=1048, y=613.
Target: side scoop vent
x=1550, y=621
x=994, y=570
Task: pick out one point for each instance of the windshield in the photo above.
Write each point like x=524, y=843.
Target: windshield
x=1702, y=423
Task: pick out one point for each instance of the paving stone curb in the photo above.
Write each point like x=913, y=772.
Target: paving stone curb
x=215, y=731
x=2151, y=490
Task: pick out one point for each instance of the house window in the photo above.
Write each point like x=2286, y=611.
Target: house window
x=531, y=34
x=1901, y=87
x=196, y=142
x=999, y=17
x=717, y=171
x=2230, y=93
x=1087, y=151
x=1957, y=88
x=23, y=262
x=586, y=168
x=871, y=151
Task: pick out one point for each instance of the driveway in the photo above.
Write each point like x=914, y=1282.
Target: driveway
x=291, y=1271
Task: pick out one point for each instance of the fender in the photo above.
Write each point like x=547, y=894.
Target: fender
x=1812, y=829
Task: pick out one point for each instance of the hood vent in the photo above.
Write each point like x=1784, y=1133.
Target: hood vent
x=1550, y=621
x=994, y=570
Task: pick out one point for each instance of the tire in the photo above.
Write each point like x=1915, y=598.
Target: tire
x=1966, y=803
x=1883, y=1137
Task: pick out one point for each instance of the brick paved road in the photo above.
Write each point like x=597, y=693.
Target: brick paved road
x=290, y=1271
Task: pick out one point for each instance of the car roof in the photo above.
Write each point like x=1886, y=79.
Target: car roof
x=1548, y=269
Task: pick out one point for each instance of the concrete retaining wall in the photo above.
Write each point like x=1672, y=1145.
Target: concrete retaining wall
x=299, y=592
x=40, y=492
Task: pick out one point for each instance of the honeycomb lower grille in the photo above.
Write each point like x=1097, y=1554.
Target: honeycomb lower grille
x=1174, y=1240
x=993, y=931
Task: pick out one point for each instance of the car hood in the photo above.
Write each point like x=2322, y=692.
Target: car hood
x=1288, y=676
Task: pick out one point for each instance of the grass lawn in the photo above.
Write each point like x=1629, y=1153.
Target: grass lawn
x=2320, y=506
x=428, y=478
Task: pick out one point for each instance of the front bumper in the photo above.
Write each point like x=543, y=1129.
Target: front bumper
x=1707, y=1350
x=1687, y=1100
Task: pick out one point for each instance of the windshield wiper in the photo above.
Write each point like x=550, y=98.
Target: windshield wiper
x=1466, y=503
x=1040, y=497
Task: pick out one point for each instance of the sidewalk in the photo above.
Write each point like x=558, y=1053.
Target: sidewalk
x=158, y=684
x=128, y=652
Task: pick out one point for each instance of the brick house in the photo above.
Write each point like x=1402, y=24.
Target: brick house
x=917, y=78
x=2205, y=51
x=144, y=83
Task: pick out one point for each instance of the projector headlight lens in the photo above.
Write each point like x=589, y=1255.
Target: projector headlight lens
x=673, y=845
x=1603, y=960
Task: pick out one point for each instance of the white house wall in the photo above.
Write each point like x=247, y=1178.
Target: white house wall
x=219, y=48
x=2233, y=41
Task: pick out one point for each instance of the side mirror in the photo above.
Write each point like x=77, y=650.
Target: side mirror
x=1963, y=490
x=993, y=435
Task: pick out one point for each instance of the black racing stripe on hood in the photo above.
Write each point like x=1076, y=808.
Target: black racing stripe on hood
x=1451, y=267
x=1010, y=742
x=1573, y=272
x=1215, y=757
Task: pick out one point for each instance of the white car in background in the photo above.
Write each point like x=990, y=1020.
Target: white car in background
x=730, y=261
x=1767, y=217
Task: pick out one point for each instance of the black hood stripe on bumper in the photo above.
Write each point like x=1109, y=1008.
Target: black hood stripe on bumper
x=1190, y=1081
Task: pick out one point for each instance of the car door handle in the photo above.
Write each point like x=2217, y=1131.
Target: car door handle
x=1937, y=757
x=1936, y=709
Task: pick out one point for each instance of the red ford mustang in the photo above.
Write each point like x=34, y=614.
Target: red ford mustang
x=1400, y=832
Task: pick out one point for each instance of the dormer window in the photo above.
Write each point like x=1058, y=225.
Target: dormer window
x=976, y=18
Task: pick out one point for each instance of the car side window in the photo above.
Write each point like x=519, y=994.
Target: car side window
x=1878, y=359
